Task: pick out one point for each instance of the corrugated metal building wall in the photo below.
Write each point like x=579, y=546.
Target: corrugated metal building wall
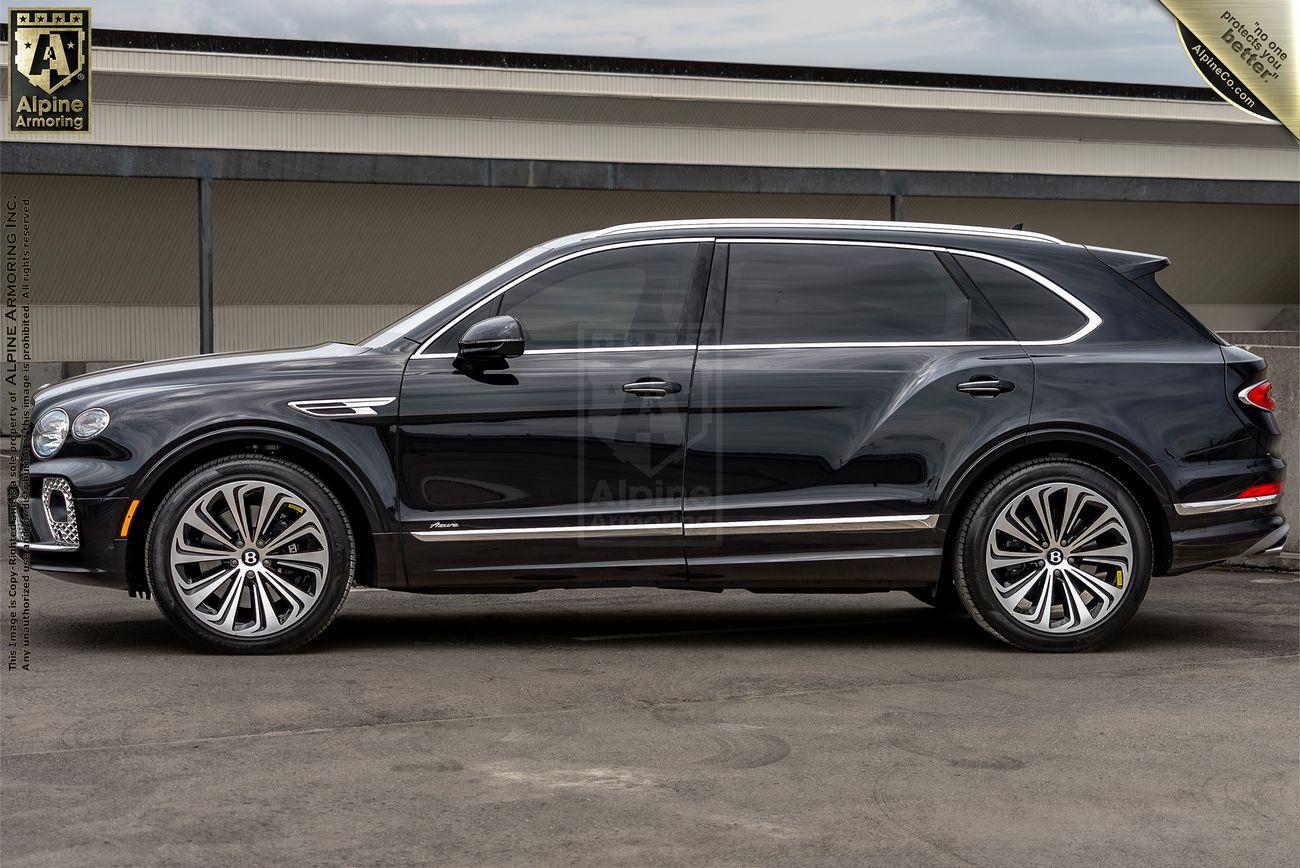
x=348, y=189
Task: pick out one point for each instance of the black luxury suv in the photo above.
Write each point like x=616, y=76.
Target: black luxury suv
x=992, y=420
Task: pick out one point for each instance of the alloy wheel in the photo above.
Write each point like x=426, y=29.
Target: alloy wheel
x=1058, y=557
x=249, y=558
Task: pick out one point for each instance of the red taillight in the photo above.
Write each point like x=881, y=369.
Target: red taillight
x=1259, y=395
x=1268, y=489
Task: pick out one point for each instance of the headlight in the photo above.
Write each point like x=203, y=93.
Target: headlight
x=49, y=432
x=90, y=423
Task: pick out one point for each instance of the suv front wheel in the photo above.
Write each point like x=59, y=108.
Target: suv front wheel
x=1053, y=555
x=250, y=554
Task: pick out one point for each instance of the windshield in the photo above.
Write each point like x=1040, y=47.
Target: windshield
x=388, y=334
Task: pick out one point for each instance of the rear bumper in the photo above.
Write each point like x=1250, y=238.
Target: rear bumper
x=1271, y=544
x=1210, y=544
x=1210, y=522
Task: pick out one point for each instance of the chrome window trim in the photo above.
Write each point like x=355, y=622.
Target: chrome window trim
x=857, y=345
x=574, y=350
x=1093, y=320
x=798, y=525
x=1208, y=506
x=569, y=350
x=550, y=263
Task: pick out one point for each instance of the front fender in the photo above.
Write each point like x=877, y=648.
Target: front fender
x=376, y=504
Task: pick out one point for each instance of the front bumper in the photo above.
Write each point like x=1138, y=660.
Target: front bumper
x=71, y=537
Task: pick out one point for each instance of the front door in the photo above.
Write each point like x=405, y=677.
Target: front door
x=564, y=465
x=838, y=387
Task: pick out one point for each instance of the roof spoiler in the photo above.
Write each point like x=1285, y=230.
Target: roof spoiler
x=1136, y=266
x=1129, y=263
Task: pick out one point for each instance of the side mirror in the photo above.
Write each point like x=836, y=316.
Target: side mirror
x=499, y=337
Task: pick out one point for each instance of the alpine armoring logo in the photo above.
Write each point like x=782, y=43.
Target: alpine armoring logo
x=49, y=72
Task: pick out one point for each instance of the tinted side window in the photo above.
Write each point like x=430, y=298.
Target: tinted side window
x=631, y=296
x=449, y=341
x=832, y=293
x=1032, y=311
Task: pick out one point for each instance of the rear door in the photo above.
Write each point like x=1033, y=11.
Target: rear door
x=838, y=387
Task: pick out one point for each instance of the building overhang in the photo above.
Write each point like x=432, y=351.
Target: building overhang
x=169, y=105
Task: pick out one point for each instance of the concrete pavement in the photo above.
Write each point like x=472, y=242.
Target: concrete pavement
x=653, y=727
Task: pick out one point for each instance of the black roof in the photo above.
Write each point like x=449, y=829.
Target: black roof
x=635, y=65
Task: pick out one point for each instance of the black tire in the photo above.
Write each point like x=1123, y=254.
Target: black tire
x=974, y=587
x=341, y=548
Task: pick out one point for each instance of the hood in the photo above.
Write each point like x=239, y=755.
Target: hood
x=185, y=371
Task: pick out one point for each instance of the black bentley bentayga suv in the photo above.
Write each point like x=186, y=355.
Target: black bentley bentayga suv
x=993, y=420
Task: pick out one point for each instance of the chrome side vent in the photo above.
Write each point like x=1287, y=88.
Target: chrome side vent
x=341, y=408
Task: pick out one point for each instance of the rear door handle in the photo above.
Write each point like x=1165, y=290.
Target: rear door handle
x=985, y=387
x=652, y=388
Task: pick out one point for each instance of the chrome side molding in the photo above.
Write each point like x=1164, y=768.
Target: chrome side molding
x=814, y=525
x=570, y=532
x=1207, y=506
x=799, y=525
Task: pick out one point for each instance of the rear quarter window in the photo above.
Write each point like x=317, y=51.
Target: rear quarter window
x=1032, y=311
x=830, y=293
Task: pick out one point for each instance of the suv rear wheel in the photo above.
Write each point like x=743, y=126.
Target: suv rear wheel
x=250, y=554
x=1053, y=555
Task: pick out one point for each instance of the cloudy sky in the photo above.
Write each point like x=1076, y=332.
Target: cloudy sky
x=1115, y=40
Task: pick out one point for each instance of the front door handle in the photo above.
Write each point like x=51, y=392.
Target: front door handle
x=652, y=388
x=985, y=386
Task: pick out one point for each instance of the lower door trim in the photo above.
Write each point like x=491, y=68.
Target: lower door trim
x=807, y=557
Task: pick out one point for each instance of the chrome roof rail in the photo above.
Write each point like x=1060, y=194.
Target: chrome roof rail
x=768, y=223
